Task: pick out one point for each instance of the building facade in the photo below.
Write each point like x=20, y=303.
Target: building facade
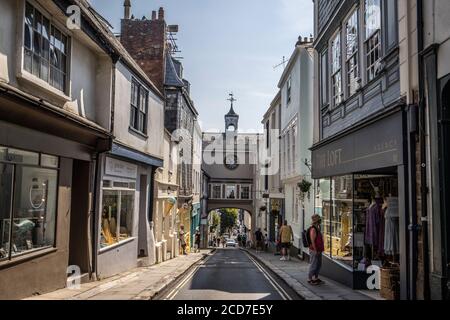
x=362, y=190
x=271, y=183
x=296, y=105
x=149, y=42
x=55, y=111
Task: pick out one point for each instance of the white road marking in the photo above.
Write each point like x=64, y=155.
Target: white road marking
x=271, y=280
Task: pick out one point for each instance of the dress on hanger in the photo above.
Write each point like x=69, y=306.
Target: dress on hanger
x=391, y=233
x=373, y=222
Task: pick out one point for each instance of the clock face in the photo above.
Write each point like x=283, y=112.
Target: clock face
x=231, y=162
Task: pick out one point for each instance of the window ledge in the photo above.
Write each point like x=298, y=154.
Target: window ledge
x=116, y=245
x=34, y=81
x=26, y=257
x=137, y=132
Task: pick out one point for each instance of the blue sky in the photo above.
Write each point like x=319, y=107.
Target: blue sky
x=228, y=45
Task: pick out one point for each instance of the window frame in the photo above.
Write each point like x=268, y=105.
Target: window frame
x=325, y=78
x=288, y=91
x=337, y=98
x=63, y=69
x=137, y=112
x=354, y=13
x=371, y=49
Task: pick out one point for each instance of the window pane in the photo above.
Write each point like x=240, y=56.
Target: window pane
x=230, y=192
x=6, y=181
x=49, y=161
x=336, y=53
x=20, y=156
x=109, y=218
x=34, y=214
x=324, y=78
x=352, y=35
x=341, y=219
x=372, y=17
x=126, y=214
x=323, y=208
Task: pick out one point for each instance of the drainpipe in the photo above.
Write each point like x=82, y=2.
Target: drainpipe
x=423, y=153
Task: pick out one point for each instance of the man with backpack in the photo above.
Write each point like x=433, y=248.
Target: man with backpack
x=313, y=239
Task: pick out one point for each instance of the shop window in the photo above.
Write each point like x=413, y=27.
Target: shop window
x=117, y=216
x=45, y=49
x=323, y=208
x=373, y=38
x=28, y=198
x=351, y=29
x=341, y=219
x=139, y=107
x=336, y=76
x=376, y=222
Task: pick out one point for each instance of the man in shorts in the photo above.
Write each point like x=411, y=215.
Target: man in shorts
x=287, y=237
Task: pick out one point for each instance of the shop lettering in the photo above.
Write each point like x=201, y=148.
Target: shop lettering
x=330, y=159
x=385, y=146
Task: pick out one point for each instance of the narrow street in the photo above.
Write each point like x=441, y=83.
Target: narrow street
x=229, y=274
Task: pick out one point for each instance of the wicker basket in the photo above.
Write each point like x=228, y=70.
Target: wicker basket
x=390, y=283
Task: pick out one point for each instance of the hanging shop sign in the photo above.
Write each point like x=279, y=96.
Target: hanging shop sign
x=379, y=145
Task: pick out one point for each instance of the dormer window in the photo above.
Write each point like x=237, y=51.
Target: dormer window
x=45, y=49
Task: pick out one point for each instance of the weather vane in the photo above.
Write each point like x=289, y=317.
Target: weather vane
x=232, y=99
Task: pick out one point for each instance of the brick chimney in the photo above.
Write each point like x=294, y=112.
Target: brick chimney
x=146, y=41
x=153, y=15
x=127, y=9
x=161, y=14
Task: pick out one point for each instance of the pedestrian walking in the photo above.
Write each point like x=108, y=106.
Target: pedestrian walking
x=286, y=237
x=218, y=242
x=259, y=240
x=223, y=241
x=182, y=237
x=316, y=248
x=197, y=241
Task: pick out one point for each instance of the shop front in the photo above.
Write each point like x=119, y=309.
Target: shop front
x=195, y=222
x=360, y=192
x=125, y=201
x=275, y=219
x=42, y=203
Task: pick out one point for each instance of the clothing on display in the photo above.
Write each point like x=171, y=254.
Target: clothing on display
x=391, y=234
x=373, y=223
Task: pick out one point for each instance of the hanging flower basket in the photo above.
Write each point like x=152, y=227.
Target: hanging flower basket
x=304, y=186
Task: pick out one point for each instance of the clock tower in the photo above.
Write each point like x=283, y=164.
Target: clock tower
x=231, y=118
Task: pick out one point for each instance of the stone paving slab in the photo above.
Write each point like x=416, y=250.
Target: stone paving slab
x=295, y=274
x=138, y=284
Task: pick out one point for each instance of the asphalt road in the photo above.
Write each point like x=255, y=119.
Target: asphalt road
x=229, y=274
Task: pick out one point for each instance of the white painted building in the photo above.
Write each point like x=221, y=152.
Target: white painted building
x=296, y=86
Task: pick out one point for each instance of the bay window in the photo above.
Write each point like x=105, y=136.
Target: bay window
x=336, y=64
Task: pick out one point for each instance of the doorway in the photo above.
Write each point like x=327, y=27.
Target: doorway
x=79, y=217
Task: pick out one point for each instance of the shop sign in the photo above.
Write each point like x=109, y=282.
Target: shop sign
x=121, y=169
x=379, y=145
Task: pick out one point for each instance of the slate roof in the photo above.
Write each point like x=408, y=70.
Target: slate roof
x=172, y=76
